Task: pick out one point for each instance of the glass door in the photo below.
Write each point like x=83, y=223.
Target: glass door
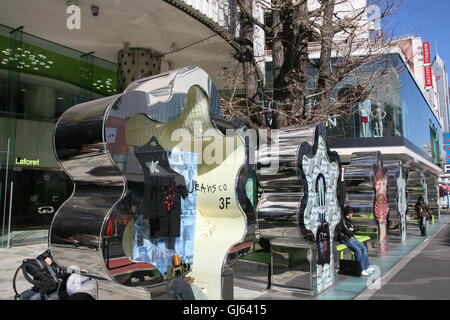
x=8, y=120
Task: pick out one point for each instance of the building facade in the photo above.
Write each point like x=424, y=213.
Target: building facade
x=398, y=121
x=418, y=56
x=442, y=87
x=81, y=52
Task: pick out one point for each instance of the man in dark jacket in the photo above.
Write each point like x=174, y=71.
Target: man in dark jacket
x=422, y=215
x=345, y=234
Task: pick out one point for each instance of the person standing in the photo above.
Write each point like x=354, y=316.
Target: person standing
x=422, y=215
x=345, y=234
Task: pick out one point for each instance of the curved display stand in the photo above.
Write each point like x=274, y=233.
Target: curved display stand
x=299, y=207
x=433, y=195
x=396, y=189
x=147, y=190
x=416, y=187
x=366, y=187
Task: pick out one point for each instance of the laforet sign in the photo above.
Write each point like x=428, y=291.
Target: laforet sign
x=27, y=162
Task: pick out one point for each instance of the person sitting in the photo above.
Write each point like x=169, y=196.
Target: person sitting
x=50, y=281
x=345, y=234
x=422, y=214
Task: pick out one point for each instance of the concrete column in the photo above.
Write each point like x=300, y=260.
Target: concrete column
x=136, y=63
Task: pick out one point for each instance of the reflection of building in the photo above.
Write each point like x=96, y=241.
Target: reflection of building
x=418, y=58
x=40, y=79
x=411, y=130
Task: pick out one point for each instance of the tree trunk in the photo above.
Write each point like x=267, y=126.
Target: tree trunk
x=249, y=67
x=324, y=83
x=290, y=61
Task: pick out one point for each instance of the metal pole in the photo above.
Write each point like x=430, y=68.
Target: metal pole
x=6, y=190
x=10, y=209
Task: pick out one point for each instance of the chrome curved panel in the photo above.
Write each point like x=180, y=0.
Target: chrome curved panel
x=91, y=146
x=76, y=236
x=396, y=188
x=359, y=178
x=242, y=248
x=415, y=185
x=77, y=226
x=166, y=92
x=433, y=194
x=301, y=202
x=366, y=187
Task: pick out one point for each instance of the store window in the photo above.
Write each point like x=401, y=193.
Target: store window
x=39, y=80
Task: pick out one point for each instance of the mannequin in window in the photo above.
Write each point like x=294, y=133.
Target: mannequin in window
x=364, y=112
x=378, y=115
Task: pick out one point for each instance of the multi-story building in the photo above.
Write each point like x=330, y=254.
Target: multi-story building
x=417, y=54
x=401, y=119
x=55, y=54
x=442, y=88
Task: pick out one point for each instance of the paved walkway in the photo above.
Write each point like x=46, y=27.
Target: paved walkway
x=10, y=260
x=363, y=288
x=406, y=266
x=426, y=276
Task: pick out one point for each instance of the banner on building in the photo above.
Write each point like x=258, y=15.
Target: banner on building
x=428, y=76
x=426, y=53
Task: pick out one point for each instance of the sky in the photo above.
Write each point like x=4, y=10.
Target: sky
x=429, y=19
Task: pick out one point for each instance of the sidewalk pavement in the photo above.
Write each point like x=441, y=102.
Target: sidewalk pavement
x=11, y=259
x=363, y=288
x=346, y=288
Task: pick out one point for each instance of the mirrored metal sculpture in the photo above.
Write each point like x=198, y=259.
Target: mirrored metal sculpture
x=299, y=207
x=416, y=187
x=366, y=190
x=157, y=197
x=433, y=195
x=396, y=185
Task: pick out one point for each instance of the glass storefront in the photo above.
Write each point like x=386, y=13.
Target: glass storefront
x=396, y=109
x=39, y=80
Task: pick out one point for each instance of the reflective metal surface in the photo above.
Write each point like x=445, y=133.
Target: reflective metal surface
x=98, y=144
x=242, y=248
x=300, y=205
x=396, y=189
x=78, y=228
x=416, y=187
x=366, y=189
x=167, y=92
x=433, y=195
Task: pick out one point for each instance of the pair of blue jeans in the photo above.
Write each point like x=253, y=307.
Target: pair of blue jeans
x=360, y=252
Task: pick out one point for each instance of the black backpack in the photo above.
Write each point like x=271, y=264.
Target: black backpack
x=179, y=289
x=39, y=274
